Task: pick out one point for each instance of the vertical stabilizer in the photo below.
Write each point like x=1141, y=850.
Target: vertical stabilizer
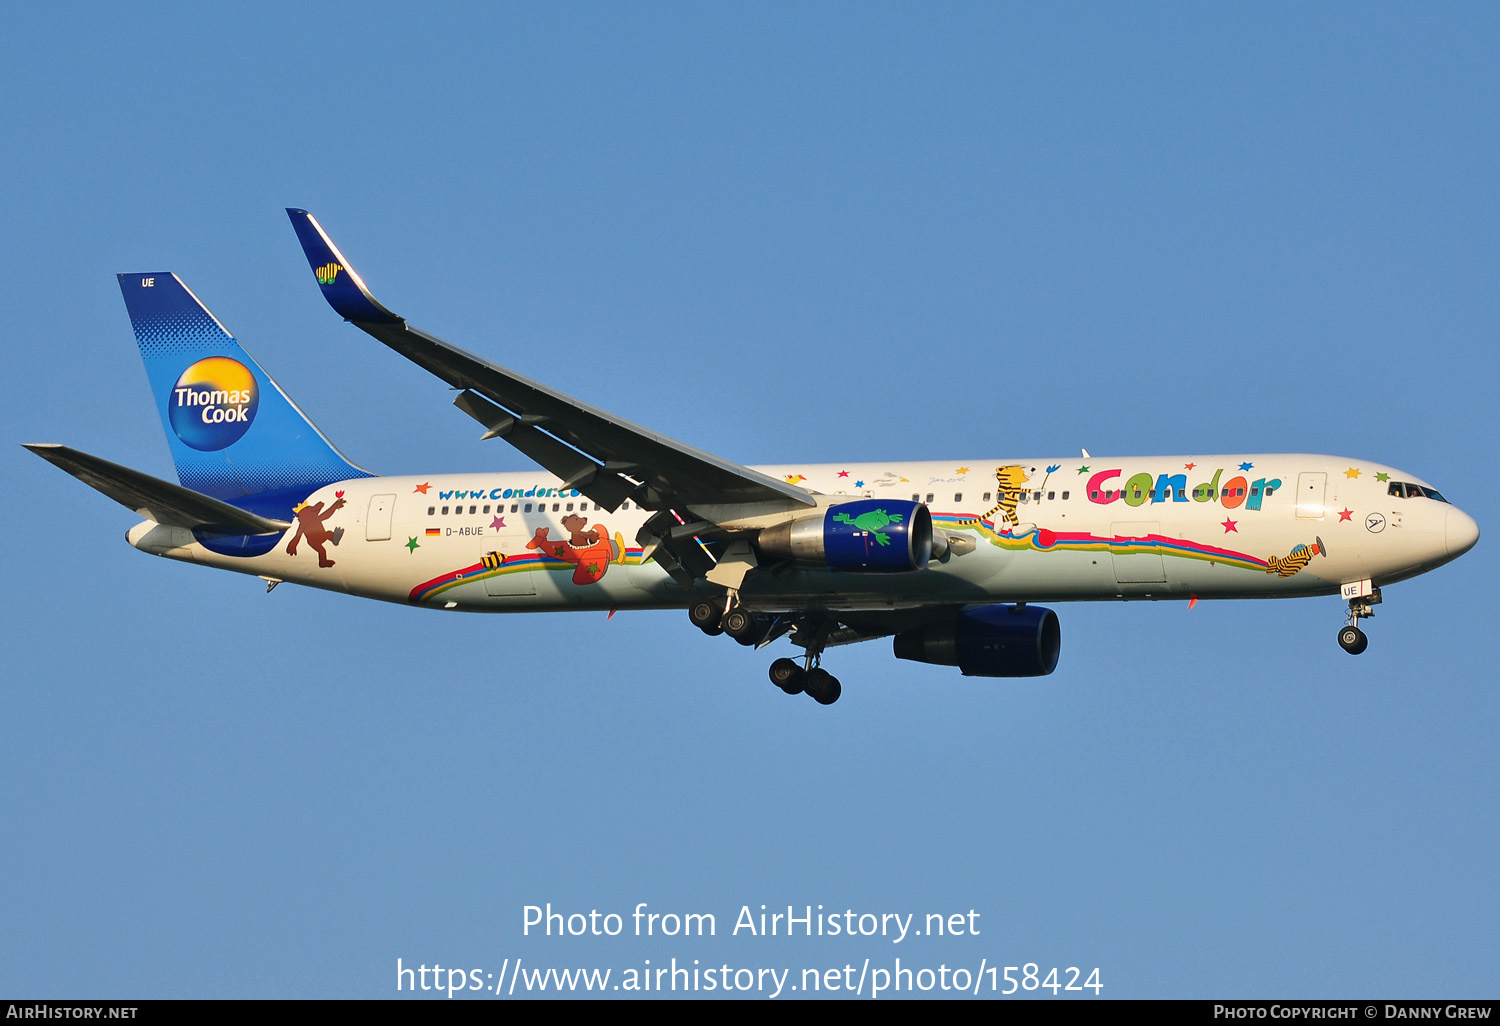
x=233, y=433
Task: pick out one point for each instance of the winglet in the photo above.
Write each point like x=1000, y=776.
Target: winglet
x=341, y=285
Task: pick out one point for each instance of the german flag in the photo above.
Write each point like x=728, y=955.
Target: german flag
x=434, y=532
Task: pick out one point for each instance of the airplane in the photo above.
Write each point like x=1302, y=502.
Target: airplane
x=947, y=558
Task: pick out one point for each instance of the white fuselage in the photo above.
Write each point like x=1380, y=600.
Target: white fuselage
x=1069, y=529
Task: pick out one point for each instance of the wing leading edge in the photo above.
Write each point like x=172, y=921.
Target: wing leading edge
x=605, y=457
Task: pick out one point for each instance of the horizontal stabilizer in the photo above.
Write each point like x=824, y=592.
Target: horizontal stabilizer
x=158, y=500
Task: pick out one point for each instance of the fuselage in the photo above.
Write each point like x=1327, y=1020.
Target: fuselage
x=1243, y=526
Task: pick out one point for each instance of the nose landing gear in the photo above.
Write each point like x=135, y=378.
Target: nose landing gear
x=1351, y=638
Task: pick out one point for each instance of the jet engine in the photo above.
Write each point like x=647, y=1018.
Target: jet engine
x=989, y=641
x=871, y=535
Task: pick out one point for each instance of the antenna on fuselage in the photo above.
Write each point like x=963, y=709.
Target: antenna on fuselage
x=1086, y=455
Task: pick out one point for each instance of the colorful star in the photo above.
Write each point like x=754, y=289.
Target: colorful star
x=859, y=484
x=963, y=470
x=1228, y=526
x=1382, y=476
x=1083, y=470
x=1188, y=466
x=843, y=473
x=1352, y=472
x=412, y=546
x=1345, y=514
x=1246, y=466
x=497, y=523
x=423, y=487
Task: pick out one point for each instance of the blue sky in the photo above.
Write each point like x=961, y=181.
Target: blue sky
x=782, y=235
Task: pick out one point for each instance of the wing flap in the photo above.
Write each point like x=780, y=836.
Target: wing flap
x=166, y=503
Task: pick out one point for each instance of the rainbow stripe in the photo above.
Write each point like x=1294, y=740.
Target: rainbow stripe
x=1037, y=539
x=519, y=564
x=1040, y=539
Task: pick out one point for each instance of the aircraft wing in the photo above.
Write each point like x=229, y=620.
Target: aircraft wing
x=605, y=457
x=151, y=497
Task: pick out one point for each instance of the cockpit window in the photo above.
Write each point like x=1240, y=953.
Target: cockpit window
x=1407, y=490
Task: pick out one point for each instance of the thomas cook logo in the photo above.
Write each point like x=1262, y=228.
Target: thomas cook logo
x=327, y=273
x=213, y=403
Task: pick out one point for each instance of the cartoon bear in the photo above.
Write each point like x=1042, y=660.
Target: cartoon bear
x=310, y=526
x=591, y=551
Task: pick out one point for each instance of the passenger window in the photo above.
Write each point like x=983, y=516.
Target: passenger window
x=514, y=507
x=528, y=507
x=474, y=509
x=570, y=507
x=445, y=511
x=1255, y=491
x=929, y=496
x=958, y=496
x=556, y=506
x=431, y=510
x=1092, y=495
x=986, y=496
x=1025, y=496
x=1051, y=496
x=1065, y=496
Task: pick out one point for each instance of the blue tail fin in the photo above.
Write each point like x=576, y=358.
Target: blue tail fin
x=233, y=433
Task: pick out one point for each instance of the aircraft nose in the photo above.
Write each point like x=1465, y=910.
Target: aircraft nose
x=1462, y=532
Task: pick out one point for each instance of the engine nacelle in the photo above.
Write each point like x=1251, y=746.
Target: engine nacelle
x=989, y=641
x=870, y=535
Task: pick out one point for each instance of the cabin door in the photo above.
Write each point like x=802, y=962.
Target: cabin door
x=1310, y=495
x=378, y=522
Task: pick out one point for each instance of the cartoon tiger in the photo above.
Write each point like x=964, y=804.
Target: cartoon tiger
x=1296, y=560
x=1010, y=479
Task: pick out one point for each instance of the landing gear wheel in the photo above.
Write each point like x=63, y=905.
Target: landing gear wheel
x=823, y=687
x=741, y=625
x=787, y=675
x=705, y=617
x=1353, y=640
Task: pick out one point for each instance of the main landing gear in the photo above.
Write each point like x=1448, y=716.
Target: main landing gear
x=750, y=628
x=1351, y=638
x=821, y=686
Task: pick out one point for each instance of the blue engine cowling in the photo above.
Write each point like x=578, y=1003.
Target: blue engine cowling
x=870, y=535
x=989, y=641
